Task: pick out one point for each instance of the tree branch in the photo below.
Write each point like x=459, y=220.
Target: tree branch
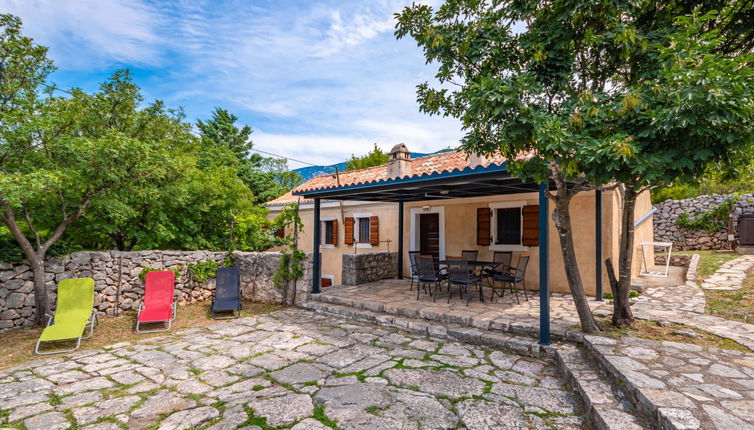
x=31, y=226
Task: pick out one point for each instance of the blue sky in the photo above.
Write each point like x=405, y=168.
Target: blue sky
x=317, y=80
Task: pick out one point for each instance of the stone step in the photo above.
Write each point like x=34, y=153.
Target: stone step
x=517, y=324
x=518, y=344
x=607, y=408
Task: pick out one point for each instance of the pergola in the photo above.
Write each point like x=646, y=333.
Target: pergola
x=480, y=181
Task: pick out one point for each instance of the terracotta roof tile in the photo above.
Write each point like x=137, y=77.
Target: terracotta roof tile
x=420, y=166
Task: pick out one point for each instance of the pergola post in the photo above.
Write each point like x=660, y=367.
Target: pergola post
x=598, y=243
x=316, y=264
x=400, y=240
x=544, y=288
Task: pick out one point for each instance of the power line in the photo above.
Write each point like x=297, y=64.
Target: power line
x=55, y=88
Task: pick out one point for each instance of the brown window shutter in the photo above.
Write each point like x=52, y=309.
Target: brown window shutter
x=280, y=233
x=530, y=215
x=483, y=231
x=335, y=232
x=374, y=231
x=348, y=227
x=326, y=282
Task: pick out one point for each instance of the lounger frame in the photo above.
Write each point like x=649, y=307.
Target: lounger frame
x=91, y=322
x=169, y=322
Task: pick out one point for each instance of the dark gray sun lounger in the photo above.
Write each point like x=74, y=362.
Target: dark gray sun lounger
x=227, y=292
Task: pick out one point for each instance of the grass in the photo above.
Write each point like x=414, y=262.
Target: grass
x=733, y=305
x=18, y=345
x=652, y=331
x=710, y=261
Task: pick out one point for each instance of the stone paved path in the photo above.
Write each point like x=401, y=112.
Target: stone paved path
x=292, y=368
x=730, y=276
x=682, y=386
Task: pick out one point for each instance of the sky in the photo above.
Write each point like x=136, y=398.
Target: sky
x=316, y=80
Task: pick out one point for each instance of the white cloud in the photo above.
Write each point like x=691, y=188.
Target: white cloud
x=317, y=80
x=83, y=33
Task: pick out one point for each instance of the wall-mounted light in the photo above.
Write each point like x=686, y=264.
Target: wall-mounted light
x=426, y=207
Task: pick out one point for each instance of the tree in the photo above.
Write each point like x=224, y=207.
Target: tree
x=74, y=150
x=375, y=157
x=221, y=130
x=557, y=80
x=692, y=109
x=267, y=178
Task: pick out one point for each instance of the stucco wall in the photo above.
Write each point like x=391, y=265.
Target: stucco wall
x=332, y=257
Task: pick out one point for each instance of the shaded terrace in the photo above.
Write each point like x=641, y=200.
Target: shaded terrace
x=475, y=181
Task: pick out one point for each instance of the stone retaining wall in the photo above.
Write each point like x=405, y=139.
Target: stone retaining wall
x=666, y=229
x=117, y=283
x=369, y=267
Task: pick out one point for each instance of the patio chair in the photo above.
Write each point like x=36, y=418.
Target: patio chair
x=502, y=260
x=74, y=313
x=460, y=274
x=414, y=272
x=513, y=279
x=158, y=305
x=227, y=297
x=428, y=274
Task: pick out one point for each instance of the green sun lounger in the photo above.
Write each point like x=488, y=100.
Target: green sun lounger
x=73, y=314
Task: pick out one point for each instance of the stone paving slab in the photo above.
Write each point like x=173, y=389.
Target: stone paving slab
x=730, y=275
x=296, y=369
x=682, y=386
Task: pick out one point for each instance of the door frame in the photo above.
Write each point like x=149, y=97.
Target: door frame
x=414, y=231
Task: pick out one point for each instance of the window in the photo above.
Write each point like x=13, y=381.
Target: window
x=363, y=230
x=508, y=226
x=280, y=233
x=329, y=232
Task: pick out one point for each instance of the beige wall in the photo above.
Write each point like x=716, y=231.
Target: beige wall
x=460, y=233
x=332, y=258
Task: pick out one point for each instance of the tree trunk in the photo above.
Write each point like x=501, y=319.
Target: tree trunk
x=622, y=316
x=41, y=301
x=562, y=219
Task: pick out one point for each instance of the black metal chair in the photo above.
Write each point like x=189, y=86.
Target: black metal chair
x=427, y=274
x=460, y=274
x=502, y=260
x=414, y=272
x=518, y=277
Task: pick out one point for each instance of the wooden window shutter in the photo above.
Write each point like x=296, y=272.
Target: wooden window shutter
x=483, y=231
x=335, y=232
x=280, y=233
x=530, y=215
x=348, y=227
x=374, y=231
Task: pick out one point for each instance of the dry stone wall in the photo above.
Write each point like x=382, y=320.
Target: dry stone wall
x=666, y=229
x=369, y=267
x=117, y=283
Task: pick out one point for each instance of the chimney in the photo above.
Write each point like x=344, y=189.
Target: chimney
x=399, y=162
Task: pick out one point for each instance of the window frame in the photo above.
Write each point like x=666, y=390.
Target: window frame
x=494, y=246
x=323, y=230
x=357, y=229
